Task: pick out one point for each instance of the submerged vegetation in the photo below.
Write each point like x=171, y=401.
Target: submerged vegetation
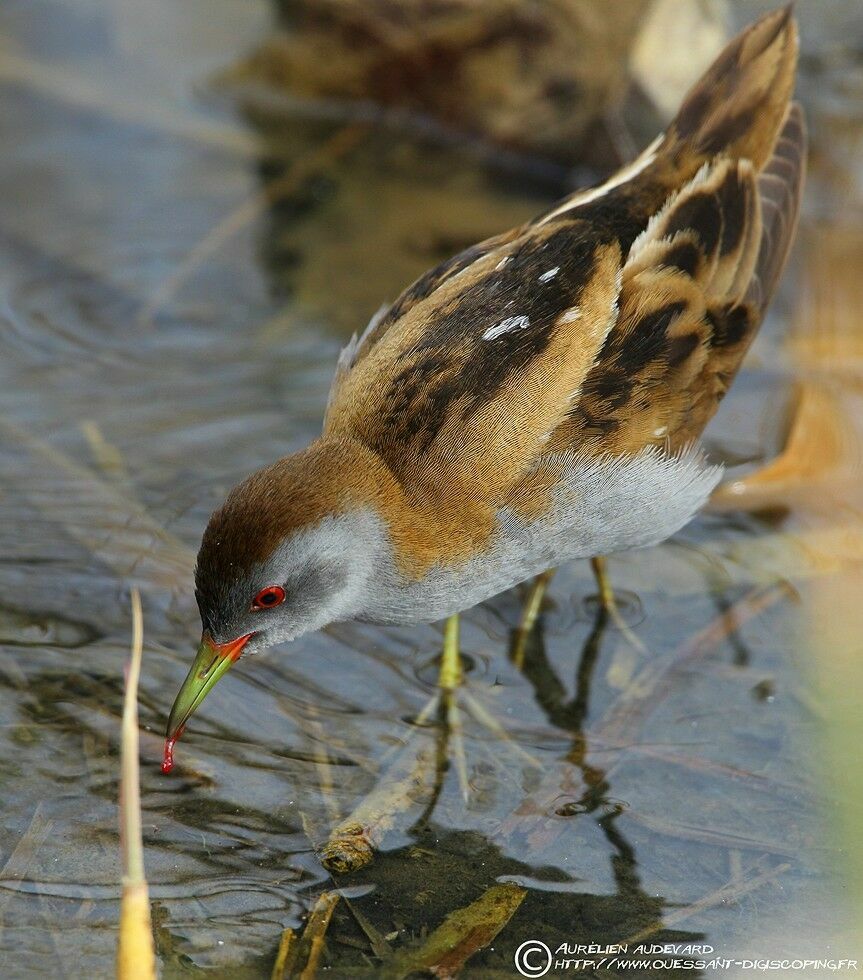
x=176, y=285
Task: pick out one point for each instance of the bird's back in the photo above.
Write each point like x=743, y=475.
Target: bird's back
x=613, y=323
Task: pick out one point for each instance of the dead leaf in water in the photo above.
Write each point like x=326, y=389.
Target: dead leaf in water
x=463, y=933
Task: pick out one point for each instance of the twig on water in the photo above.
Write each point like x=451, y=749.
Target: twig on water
x=302, y=956
x=407, y=782
x=729, y=893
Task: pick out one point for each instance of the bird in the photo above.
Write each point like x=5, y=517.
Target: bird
x=535, y=399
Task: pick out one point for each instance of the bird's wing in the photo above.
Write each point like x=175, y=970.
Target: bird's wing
x=780, y=189
x=614, y=321
x=390, y=314
x=465, y=378
x=695, y=287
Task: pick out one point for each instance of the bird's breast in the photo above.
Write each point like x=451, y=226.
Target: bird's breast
x=598, y=506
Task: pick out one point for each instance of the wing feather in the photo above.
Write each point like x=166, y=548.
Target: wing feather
x=462, y=385
x=614, y=322
x=389, y=314
x=696, y=283
x=780, y=189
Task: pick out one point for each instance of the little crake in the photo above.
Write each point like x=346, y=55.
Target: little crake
x=533, y=400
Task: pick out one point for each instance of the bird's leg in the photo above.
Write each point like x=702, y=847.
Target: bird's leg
x=451, y=685
x=449, y=679
x=529, y=615
x=531, y=610
x=603, y=582
x=451, y=672
x=609, y=603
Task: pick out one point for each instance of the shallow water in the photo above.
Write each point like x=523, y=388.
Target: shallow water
x=166, y=328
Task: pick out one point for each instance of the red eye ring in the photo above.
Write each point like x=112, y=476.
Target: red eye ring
x=272, y=595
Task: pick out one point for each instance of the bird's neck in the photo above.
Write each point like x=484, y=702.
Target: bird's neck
x=440, y=526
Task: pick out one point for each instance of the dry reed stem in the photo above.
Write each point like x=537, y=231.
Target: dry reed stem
x=728, y=894
x=284, y=955
x=624, y=716
x=23, y=855
x=302, y=956
x=380, y=947
x=463, y=933
x=115, y=528
x=136, y=959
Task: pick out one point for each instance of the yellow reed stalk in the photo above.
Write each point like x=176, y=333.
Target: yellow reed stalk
x=136, y=958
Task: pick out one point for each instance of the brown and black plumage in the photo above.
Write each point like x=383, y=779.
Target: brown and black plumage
x=535, y=398
x=698, y=238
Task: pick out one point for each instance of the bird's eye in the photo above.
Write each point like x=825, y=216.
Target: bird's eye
x=272, y=595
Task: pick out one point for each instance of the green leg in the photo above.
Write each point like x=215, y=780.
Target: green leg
x=529, y=615
x=606, y=593
x=532, y=607
x=609, y=603
x=451, y=672
x=449, y=680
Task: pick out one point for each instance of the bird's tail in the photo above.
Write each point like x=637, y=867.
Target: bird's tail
x=738, y=107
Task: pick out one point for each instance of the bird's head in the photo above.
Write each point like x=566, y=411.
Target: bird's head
x=292, y=549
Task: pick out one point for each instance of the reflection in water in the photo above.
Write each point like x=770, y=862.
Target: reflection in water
x=556, y=910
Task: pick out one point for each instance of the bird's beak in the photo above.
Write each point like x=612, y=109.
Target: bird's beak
x=211, y=661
